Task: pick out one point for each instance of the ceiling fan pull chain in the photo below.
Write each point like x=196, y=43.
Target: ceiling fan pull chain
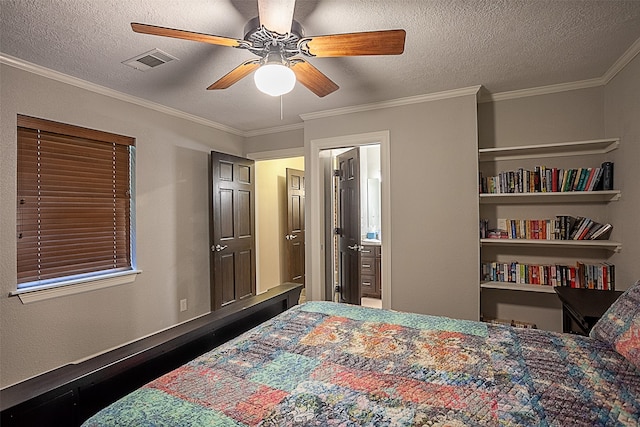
x=281, y=115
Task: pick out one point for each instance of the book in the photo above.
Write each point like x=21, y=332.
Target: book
x=566, y=225
x=536, y=179
x=576, y=179
x=484, y=228
x=576, y=227
x=497, y=234
x=607, y=176
x=611, y=275
x=582, y=183
x=592, y=172
x=595, y=226
x=565, y=178
x=602, y=233
x=595, y=183
x=570, y=176
x=580, y=235
x=561, y=173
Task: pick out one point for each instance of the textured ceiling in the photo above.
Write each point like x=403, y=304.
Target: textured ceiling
x=503, y=45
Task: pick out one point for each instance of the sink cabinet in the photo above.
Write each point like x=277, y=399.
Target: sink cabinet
x=371, y=271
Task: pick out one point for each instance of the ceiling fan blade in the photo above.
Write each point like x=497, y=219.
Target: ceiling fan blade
x=276, y=15
x=387, y=42
x=312, y=78
x=235, y=75
x=186, y=35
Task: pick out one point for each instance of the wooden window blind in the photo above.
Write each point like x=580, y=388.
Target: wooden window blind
x=73, y=202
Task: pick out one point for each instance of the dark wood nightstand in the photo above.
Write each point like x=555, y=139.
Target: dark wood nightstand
x=582, y=308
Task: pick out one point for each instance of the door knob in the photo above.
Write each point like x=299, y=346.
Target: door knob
x=218, y=248
x=290, y=236
x=355, y=247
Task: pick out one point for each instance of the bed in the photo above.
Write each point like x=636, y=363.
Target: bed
x=326, y=364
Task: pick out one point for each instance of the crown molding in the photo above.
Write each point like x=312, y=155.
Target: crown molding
x=622, y=62
x=617, y=66
x=83, y=84
x=472, y=90
x=277, y=129
x=541, y=90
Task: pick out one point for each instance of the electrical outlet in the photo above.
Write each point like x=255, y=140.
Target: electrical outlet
x=183, y=305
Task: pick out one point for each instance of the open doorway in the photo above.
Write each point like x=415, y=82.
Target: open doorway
x=353, y=224
x=275, y=241
x=320, y=243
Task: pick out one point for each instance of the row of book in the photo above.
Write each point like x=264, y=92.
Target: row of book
x=582, y=228
x=549, y=180
x=587, y=276
x=563, y=227
x=513, y=323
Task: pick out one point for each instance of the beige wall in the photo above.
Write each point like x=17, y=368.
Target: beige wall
x=434, y=218
x=566, y=116
x=271, y=215
x=288, y=140
x=622, y=118
x=172, y=206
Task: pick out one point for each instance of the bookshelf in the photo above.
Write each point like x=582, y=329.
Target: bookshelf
x=559, y=197
x=583, y=244
x=530, y=204
x=518, y=287
x=560, y=149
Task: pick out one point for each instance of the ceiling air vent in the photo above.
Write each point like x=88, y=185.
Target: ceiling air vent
x=149, y=60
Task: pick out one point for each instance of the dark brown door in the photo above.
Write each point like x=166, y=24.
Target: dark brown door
x=232, y=229
x=294, y=239
x=349, y=226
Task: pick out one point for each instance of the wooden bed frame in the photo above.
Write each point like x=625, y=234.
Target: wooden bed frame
x=72, y=393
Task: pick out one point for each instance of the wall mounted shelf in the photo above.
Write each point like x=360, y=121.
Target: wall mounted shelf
x=590, y=244
x=560, y=149
x=557, y=197
x=518, y=287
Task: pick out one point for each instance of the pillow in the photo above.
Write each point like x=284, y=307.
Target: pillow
x=620, y=325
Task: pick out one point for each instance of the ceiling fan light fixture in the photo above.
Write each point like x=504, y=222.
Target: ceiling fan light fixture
x=274, y=79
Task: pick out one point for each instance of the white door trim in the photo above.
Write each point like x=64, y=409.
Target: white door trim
x=314, y=199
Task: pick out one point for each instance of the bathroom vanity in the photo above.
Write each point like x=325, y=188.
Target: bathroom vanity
x=371, y=268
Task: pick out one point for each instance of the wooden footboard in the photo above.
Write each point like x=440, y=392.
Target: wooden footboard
x=69, y=395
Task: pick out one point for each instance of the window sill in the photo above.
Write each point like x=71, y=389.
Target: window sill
x=75, y=287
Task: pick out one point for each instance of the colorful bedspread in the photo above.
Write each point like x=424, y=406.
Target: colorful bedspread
x=326, y=364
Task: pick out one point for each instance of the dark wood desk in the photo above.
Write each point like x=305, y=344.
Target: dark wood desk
x=582, y=308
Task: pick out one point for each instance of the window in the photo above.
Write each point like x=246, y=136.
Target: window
x=74, y=204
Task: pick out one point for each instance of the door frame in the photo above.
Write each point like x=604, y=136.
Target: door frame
x=272, y=155
x=315, y=199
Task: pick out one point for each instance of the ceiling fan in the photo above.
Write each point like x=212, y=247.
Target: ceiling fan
x=280, y=44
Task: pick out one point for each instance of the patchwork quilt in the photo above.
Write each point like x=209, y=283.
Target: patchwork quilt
x=327, y=364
